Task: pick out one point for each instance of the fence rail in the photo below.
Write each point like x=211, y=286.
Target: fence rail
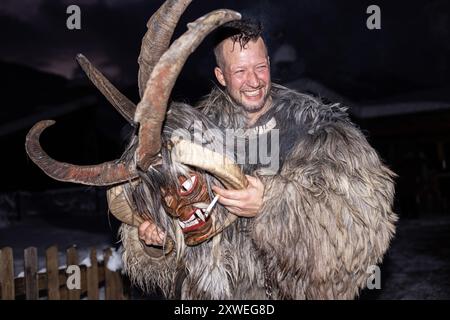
x=52, y=283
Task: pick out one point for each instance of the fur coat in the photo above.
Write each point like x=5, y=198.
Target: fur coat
x=326, y=217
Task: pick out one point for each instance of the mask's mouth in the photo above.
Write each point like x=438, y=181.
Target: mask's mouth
x=199, y=217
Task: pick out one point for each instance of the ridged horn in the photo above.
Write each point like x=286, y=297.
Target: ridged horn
x=122, y=104
x=151, y=110
x=220, y=166
x=160, y=28
x=104, y=174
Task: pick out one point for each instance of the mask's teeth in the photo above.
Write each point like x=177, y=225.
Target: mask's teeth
x=192, y=223
x=199, y=214
x=192, y=218
x=182, y=224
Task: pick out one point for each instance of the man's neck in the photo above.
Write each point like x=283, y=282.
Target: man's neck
x=254, y=116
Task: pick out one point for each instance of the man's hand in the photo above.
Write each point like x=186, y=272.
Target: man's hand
x=244, y=203
x=151, y=234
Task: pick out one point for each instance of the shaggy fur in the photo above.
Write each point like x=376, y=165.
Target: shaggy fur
x=148, y=267
x=327, y=214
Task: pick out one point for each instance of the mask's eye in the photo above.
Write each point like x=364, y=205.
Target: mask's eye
x=188, y=186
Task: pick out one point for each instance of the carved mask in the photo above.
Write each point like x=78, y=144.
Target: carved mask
x=188, y=203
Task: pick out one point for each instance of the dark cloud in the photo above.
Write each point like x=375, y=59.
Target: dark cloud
x=110, y=37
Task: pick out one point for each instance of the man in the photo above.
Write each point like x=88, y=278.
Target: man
x=315, y=225
x=246, y=76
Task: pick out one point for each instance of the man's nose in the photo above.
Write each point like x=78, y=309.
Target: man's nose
x=252, y=79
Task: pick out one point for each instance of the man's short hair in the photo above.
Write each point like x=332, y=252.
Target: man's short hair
x=240, y=31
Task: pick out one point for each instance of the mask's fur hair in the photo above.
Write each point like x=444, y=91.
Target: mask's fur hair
x=145, y=195
x=327, y=214
x=222, y=260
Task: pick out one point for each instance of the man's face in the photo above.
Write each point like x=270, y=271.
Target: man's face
x=245, y=73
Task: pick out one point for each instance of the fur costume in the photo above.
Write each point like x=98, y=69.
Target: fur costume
x=327, y=215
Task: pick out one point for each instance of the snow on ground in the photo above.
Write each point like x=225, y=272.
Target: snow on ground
x=115, y=260
x=82, y=232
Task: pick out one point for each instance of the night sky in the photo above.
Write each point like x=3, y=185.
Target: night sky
x=328, y=41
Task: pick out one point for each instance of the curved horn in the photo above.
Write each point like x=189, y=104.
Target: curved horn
x=157, y=38
x=122, y=104
x=104, y=174
x=220, y=166
x=151, y=110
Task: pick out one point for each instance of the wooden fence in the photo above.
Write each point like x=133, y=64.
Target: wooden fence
x=51, y=283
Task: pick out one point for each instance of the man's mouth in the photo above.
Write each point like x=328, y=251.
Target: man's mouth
x=252, y=93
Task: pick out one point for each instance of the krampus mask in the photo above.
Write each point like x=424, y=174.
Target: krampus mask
x=185, y=197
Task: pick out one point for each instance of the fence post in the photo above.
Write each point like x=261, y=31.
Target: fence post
x=52, y=263
x=109, y=285
x=7, y=274
x=72, y=259
x=113, y=281
x=92, y=276
x=31, y=281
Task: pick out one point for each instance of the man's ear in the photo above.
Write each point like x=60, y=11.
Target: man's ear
x=219, y=76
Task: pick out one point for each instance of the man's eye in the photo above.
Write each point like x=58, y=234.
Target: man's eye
x=239, y=71
x=262, y=67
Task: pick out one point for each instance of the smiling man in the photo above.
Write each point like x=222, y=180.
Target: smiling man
x=309, y=229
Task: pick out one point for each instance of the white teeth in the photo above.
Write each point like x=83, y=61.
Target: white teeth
x=188, y=223
x=192, y=218
x=199, y=214
x=192, y=223
x=251, y=93
x=202, y=214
